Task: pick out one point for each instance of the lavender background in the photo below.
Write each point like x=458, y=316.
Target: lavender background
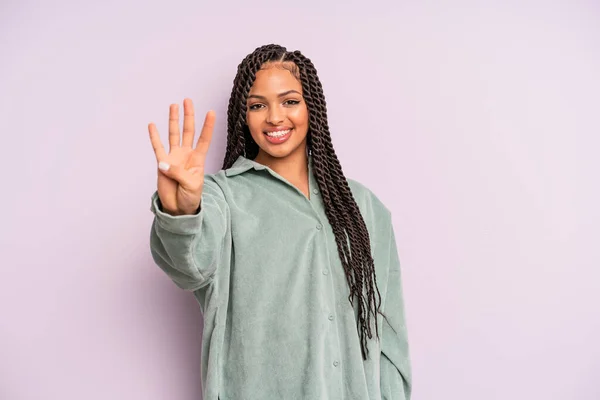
x=477, y=123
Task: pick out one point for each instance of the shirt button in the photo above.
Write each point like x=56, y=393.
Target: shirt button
x=316, y=191
x=325, y=272
x=331, y=317
x=336, y=363
x=319, y=226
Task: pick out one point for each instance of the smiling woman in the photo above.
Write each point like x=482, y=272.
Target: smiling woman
x=294, y=266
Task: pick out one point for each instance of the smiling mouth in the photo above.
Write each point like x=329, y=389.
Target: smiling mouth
x=278, y=134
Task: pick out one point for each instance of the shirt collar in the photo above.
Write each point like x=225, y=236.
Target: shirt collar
x=243, y=164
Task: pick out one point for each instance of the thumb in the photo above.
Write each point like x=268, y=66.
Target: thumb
x=174, y=172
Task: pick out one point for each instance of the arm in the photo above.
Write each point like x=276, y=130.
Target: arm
x=396, y=375
x=188, y=247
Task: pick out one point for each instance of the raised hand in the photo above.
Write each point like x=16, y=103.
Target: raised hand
x=181, y=171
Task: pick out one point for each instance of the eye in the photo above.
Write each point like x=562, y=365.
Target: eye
x=255, y=106
x=291, y=102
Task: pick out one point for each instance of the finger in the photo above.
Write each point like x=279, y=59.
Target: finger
x=159, y=150
x=206, y=134
x=188, y=123
x=173, y=126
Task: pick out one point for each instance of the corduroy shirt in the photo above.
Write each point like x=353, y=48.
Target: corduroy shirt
x=261, y=259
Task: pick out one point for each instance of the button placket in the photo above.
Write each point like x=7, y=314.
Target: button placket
x=331, y=329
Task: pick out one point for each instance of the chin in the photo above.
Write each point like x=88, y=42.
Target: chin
x=277, y=153
x=282, y=150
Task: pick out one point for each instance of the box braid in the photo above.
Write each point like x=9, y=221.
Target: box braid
x=348, y=225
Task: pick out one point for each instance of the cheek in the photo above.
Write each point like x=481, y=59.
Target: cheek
x=254, y=122
x=299, y=117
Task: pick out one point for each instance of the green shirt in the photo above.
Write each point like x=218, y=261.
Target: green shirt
x=262, y=262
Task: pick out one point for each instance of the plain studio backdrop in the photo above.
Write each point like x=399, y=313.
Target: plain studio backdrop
x=476, y=123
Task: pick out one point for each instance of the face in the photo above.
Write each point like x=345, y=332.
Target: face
x=276, y=114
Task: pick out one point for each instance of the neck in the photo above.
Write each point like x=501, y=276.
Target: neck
x=294, y=167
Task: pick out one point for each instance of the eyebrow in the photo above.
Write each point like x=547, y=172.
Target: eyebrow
x=279, y=95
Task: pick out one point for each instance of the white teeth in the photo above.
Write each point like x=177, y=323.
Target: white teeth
x=278, y=133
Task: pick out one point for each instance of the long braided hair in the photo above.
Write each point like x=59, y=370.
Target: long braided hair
x=341, y=208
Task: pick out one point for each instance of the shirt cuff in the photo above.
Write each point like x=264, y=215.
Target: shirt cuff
x=178, y=224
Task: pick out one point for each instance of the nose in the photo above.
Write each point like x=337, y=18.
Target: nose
x=275, y=116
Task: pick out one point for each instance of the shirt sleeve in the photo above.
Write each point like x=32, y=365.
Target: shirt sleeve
x=396, y=374
x=188, y=248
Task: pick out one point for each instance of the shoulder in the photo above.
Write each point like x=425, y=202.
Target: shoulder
x=366, y=197
x=219, y=176
x=372, y=208
x=216, y=183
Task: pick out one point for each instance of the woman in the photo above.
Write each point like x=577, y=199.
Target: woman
x=294, y=266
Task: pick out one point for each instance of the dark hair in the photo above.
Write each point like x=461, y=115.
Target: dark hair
x=341, y=208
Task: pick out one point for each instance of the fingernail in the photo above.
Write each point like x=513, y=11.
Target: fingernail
x=163, y=166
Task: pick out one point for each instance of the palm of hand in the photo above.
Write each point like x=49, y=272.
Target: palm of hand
x=181, y=171
x=180, y=196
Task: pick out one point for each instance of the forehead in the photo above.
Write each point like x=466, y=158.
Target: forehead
x=274, y=80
